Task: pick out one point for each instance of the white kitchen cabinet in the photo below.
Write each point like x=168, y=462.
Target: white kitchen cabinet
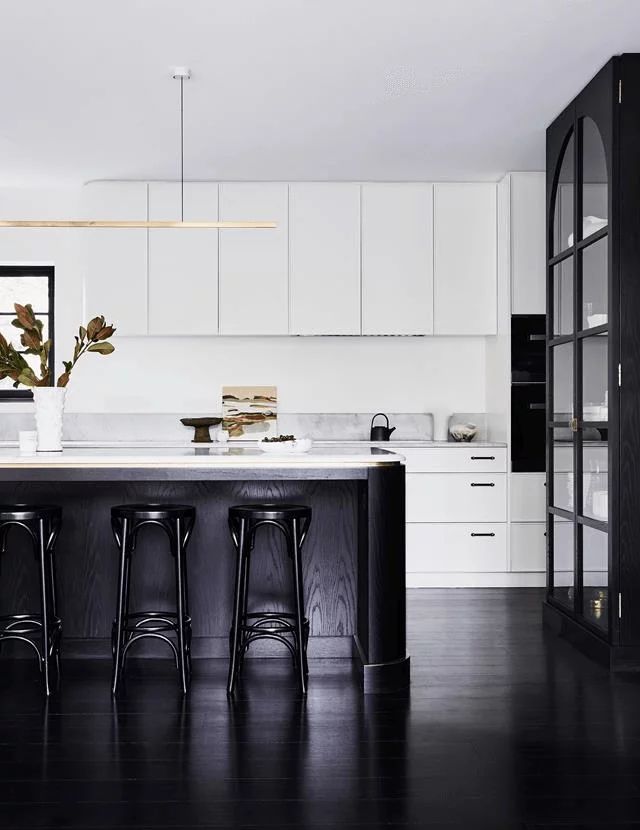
x=453, y=497
x=455, y=458
x=465, y=259
x=528, y=497
x=528, y=547
x=116, y=267
x=254, y=264
x=456, y=548
x=324, y=258
x=183, y=264
x=397, y=259
x=528, y=248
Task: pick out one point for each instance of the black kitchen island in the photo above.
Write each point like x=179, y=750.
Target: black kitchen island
x=354, y=557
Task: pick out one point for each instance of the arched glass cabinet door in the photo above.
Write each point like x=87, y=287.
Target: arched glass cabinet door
x=563, y=205
x=562, y=367
x=562, y=239
x=593, y=344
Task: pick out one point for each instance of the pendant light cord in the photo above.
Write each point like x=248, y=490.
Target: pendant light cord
x=182, y=149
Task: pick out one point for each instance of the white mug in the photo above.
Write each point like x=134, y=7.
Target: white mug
x=28, y=441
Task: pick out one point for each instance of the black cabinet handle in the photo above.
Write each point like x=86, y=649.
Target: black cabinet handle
x=482, y=484
x=483, y=458
x=483, y=534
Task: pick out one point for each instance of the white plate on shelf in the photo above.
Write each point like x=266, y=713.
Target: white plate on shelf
x=301, y=445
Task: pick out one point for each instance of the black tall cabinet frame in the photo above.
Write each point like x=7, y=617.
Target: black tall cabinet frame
x=593, y=367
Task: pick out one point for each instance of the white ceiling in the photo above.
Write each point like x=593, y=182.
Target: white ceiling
x=294, y=89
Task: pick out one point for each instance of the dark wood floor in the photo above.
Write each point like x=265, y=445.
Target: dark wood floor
x=504, y=728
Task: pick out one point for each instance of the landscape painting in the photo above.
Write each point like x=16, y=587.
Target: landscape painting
x=249, y=411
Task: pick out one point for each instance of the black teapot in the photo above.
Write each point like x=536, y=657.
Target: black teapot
x=380, y=433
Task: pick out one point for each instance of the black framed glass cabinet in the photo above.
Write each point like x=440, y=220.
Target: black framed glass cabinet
x=593, y=367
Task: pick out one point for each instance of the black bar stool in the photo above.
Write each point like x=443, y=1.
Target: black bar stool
x=128, y=627
x=293, y=521
x=42, y=631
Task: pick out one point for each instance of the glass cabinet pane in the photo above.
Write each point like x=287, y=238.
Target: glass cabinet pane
x=563, y=206
x=563, y=382
x=595, y=476
x=595, y=375
x=563, y=478
x=595, y=180
x=563, y=297
x=595, y=561
x=563, y=550
x=594, y=284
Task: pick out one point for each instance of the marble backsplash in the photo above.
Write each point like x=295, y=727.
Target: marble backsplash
x=413, y=426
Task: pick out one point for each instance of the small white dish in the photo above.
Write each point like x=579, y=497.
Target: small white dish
x=594, y=320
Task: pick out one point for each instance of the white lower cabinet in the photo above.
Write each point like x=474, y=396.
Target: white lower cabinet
x=528, y=547
x=528, y=497
x=456, y=521
x=456, y=548
x=447, y=497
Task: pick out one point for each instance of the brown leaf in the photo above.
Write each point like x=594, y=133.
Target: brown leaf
x=94, y=326
x=101, y=348
x=25, y=315
x=63, y=380
x=104, y=333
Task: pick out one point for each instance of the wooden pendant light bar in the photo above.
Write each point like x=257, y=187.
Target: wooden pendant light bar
x=99, y=223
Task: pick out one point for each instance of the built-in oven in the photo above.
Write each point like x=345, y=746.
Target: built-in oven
x=528, y=393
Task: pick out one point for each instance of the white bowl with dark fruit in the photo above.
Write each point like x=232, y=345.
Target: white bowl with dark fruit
x=280, y=444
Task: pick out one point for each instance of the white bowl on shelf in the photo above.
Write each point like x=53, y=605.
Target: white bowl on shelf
x=594, y=320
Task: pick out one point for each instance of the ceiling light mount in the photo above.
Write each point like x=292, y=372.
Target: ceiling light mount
x=180, y=73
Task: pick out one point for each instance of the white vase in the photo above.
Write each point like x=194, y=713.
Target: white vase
x=49, y=401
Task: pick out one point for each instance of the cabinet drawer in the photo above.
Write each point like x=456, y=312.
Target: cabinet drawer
x=447, y=497
x=447, y=548
x=528, y=547
x=455, y=459
x=528, y=497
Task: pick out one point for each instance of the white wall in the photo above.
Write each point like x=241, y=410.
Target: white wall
x=160, y=374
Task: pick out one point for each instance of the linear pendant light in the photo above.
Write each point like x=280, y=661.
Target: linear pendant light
x=182, y=74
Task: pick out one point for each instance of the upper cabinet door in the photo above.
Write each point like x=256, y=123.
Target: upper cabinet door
x=465, y=259
x=183, y=264
x=397, y=259
x=324, y=258
x=528, y=257
x=116, y=276
x=254, y=264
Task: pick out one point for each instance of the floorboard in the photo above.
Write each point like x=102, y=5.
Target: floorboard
x=505, y=727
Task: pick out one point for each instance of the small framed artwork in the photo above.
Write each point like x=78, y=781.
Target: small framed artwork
x=250, y=412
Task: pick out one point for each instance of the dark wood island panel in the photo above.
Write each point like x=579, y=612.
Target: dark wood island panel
x=354, y=558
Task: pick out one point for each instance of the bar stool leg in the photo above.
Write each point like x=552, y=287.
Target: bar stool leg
x=300, y=636
x=44, y=606
x=185, y=605
x=122, y=599
x=237, y=608
x=53, y=531
x=182, y=657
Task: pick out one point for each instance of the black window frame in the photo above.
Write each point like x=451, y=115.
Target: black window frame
x=22, y=394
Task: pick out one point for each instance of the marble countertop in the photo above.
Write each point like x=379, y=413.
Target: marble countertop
x=202, y=457
x=390, y=446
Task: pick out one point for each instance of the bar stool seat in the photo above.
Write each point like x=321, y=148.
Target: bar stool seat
x=129, y=627
x=291, y=628
x=42, y=630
